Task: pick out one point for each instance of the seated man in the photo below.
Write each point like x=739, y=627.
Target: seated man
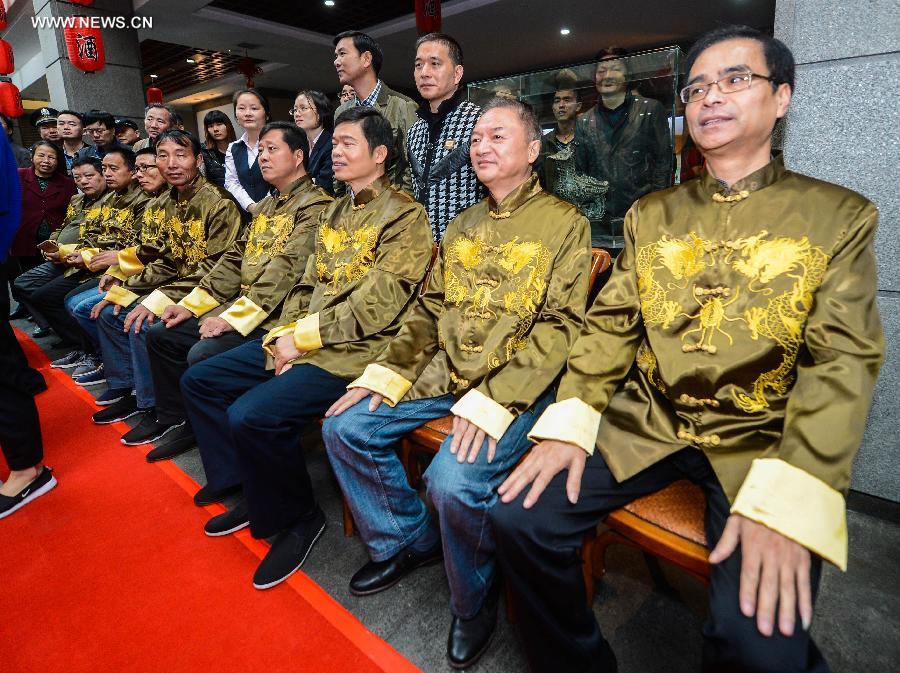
x=736, y=345
x=240, y=298
x=124, y=263
x=201, y=223
x=83, y=211
x=503, y=307
x=372, y=250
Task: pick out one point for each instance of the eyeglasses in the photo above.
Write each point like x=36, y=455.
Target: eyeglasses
x=299, y=110
x=97, y=132
x=728, y=84
x=145, y=168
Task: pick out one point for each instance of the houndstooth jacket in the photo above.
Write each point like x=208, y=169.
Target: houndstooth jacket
x=450, y=186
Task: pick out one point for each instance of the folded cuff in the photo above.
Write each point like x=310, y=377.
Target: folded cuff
x=129, y=262
x=119, y=295
x=87, y=254
x=273, y=335
x=488, y=415
x=571, y=421
x=796, y=504
x=244, y=316
x=116, y=272
x=306, y=334
x=67, y=249
x=198, y=301
x=157, y=301
x=386, y=382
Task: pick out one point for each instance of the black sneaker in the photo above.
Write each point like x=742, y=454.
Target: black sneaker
x=124, y=408
x=73, y=359
x=43, y=483
x=148, y=431
x=178, y=439
x=94, y=378
x=289, y=550
x=210, y=496
x=111, y=396
x=228, y=522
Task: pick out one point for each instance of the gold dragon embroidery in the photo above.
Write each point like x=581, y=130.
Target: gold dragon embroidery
x=332, y=263
x=268, y=236
x=152, y=226
x=647, y=363
x=187, y=239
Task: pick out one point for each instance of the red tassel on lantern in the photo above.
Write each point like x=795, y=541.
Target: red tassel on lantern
x=154, y=96
x=7, y=62
x=3, y=22
x=428, y=16
x=248, y=68
x=10, y=99
x=84, y=45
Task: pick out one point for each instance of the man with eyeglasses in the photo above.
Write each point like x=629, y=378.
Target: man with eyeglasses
x=736, y=345
x=101, y=127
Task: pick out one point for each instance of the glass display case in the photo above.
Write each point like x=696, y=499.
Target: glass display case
x=609, y=131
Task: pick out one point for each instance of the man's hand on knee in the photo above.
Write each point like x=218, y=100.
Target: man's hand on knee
x=774, y=571
x=350, y=398
x=542, y=463
x=95, y=312
x=136, y=318
x=175, y=315
x=467, y=440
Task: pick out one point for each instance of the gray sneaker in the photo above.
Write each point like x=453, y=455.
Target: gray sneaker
x=89, y=365
x=73, y=359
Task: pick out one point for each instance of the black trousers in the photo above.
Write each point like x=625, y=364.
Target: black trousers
x=248, y=423
x=538, y=550
x=49, y=301
x=172, y=351
x=20, y=427
x=14, y=267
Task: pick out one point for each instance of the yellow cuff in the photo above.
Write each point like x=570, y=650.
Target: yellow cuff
x=571, y=421
x=274, y=333
x=199, y=301
x=796, y=504
x=488, y=415
x=386, y=382
x=244, y=316
x=119, y=295
x=67, y=249
x=157, y=301
x=87, y=254
x=306, y=334
x=129, y=262
x=116, y=272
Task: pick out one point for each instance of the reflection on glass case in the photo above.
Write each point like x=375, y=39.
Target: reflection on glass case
x=608, y=130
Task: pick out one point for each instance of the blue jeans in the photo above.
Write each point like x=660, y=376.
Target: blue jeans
x=125, y=359
x=389, y=513
x=79, y=306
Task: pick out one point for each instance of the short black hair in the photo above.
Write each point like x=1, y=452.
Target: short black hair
x=292, y=135
x=525, y=112
x=614, y=54
x=127, y=154
x=253, y=92
x=375, y=128
x=453, y=48
x=72, y=113
x=179, y=137
x=174, y=117
x=88, y=160
x=145, y=150
x=779, y=59
x=94, y=116
x=363, y=43
x=323, y=106
x=60, y=157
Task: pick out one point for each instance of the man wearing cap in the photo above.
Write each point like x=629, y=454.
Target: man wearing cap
x=71, y=129
x=127, y=131
x=45, y=121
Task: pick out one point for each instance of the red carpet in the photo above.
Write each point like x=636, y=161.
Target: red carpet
x=111, y=572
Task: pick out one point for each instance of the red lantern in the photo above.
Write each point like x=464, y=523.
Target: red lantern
x=3, y=23
x=85, y=46
x=10, y=99
x=7, y=62
x=154, y=96
x=428, y=16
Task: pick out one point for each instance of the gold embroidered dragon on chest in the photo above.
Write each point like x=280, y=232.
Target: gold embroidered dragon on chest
x=343, y=256
x=268, y=236
x=778, y=275
x=186, y=236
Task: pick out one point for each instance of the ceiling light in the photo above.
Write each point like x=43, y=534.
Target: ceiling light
x=153, y=76
x=329, y=3
x=191, y=61
x=564, y=31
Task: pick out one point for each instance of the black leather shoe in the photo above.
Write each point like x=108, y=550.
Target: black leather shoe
x=179, y=440
x=377, y=576
x=19, y=313
x=210, y=496
x=470, y=638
